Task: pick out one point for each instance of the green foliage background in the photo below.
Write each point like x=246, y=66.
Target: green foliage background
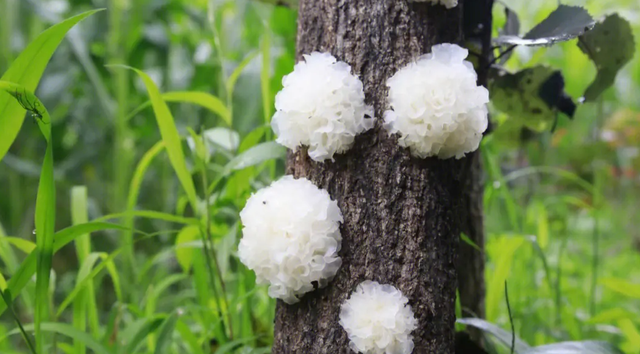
x=154, y=188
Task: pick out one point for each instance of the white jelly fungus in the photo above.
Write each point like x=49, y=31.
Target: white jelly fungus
x=291, y=237
x=378, y=320
x=321, y=106
x=449, y=4
x=436, y=106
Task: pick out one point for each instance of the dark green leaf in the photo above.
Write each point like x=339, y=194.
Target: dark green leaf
x=532, y=96
x=610, y=45
x=563, y=24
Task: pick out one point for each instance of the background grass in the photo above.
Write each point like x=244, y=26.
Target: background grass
x=149, y=192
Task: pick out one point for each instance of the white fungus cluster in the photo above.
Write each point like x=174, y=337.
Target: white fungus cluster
x=291, y=237
x=449, y=4
x=321, y=106
x=378, y=320
x=436, y=106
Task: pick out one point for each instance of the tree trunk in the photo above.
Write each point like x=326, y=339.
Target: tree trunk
x=478, y=22
x=402, y=215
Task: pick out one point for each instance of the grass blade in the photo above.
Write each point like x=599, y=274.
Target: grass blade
x=45, y=206
x=170, y=136
x=28, y=266
x=68, y=331
x=84, y=309
x=6, y=297
x=27, y=70
x=203, y=99
x=165, y=334
x=132, y=198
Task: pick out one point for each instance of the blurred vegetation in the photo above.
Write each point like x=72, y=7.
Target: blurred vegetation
x=561, y=208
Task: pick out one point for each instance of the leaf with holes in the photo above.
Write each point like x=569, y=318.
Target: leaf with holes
x=563, y=24
x=533, y=96
x=610, y=46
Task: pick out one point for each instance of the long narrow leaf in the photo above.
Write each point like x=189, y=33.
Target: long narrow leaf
x=170, y=136
x=28, y=266
x=45, y=206
x=27, y=70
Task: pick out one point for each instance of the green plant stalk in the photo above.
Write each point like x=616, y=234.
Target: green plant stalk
x=210, y=253
x=597, y=203
x=84, y=308
x=122, y=154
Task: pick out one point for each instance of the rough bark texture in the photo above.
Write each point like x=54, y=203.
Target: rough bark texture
x=402, y=214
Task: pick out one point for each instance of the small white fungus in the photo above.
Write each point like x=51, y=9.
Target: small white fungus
x=291, y=237
x=321, y=106
x=436, y=106
x=378, y=320
x=449, y=4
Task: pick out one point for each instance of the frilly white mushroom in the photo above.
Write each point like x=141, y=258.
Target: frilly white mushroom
x=291, y=237
x=436, y=106
x=321, y=106
x=378, y=320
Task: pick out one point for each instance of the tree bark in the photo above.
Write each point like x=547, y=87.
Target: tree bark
x=402, y=215
x=477, y=23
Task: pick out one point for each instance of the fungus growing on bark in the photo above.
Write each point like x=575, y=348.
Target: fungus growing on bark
x=291, y=237
x=378, y=320
x=436, y=106
x=321, y=106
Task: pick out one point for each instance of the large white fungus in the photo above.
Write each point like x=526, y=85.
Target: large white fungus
x=378, y=320
x=291, y=237
x=436, y=106
x=449, y=4
x=321, y=106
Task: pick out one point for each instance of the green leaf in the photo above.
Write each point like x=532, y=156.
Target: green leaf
x=132, y=196
x=8, y=300
x=28, y=266
x=165, y=334
x=45, y=207
x=503, y=259
x=86, y=276
x=69, y=331
x=23, y=245
x=150, y=214
x=84, y=309
x=203, y=99
x=622, y=286
x=27, y=70
x=152, y=300
x=585, y=347
x=520, y=96
x=470, y=242
x=189, y=338
x=610, y=45
x=563, y=24
x=255, y=155
x=148, y=327
x=170, y=136
x=233, y=78
x=184, y=255
x=503, y=336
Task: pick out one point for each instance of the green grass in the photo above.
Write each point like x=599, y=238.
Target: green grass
x=138, y=252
